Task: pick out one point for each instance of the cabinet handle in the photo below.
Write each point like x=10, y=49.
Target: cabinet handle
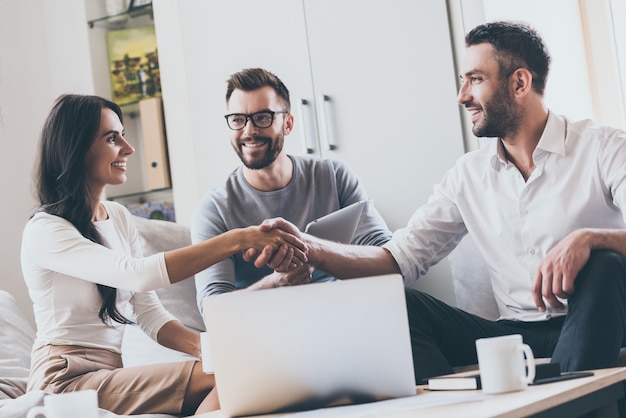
x=328, y=124
x=304, y=107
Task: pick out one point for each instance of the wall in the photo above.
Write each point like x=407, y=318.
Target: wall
x=43, y=53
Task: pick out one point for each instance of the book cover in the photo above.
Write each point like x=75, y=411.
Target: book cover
x=133, y=64
x=455, y=382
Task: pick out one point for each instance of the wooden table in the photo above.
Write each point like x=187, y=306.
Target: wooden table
x=561, y=399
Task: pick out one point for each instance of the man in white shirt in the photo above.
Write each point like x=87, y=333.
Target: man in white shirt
x=545, y=204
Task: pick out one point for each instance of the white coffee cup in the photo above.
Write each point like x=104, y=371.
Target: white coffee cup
x=79, y=404
x=502, y=365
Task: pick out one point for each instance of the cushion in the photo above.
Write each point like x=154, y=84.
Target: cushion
x=139, y=350
x=472, y=286
x=180, y=298
x=16, y=339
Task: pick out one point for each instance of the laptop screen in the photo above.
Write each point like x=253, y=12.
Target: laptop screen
x=303, y=347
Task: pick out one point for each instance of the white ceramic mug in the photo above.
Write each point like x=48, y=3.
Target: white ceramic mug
x=502, y=365
x=79, y=404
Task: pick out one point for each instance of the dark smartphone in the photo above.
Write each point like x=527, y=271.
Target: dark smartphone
x=562, y=376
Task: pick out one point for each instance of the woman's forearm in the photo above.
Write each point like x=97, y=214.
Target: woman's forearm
x=187, y=261
x=178, y=337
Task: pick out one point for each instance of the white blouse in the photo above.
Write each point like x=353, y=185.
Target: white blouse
x=61, y=269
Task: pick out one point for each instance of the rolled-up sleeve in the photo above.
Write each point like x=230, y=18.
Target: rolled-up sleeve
x=432, y=233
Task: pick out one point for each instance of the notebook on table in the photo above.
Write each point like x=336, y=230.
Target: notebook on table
x=339, y=225
x=304, y=347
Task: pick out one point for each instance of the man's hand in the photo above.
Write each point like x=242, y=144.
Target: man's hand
x=558, y=270
x=297, y=276
x=281, y=260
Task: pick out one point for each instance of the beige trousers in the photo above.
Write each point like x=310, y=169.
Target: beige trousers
x=150, y=389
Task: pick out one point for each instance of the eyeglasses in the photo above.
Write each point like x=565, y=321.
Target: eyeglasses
x=262, y=119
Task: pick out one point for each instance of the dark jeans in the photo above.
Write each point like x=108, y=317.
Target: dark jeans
x=589, y=337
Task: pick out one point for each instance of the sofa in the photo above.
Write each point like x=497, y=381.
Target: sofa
x=17, y=334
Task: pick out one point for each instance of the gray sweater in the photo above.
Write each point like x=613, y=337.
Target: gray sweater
x=317, y=188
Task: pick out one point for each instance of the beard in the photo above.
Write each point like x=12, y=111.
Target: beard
x=501, y=116
x=268, y=156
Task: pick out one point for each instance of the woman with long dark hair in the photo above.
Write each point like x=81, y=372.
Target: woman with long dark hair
x=85, y=271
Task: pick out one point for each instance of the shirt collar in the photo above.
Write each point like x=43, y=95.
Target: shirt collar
x=553, y=136
x=552, y=140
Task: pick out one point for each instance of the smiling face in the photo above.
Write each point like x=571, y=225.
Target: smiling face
x=258, y=148
x=107, y=156
x=487, y=95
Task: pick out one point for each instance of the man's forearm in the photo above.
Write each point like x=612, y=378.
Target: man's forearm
x=350, y=261
x=607, y=239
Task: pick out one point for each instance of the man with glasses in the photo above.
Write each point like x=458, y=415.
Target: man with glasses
x=271, y=184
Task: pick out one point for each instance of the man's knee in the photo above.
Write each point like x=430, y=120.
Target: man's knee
x=420, y=302
x=605, y=271
x=607, y=257
x=600, y=287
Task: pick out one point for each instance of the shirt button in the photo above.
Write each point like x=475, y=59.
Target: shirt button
x=524, y=211
x=532, y=251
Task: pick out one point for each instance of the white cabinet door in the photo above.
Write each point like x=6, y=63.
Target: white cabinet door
x=387, y=71
x=385, y=67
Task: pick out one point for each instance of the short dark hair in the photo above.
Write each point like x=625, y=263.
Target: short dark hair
x=255, y=78
x=515, y=45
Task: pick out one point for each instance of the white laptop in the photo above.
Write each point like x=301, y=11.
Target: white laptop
x=338, y=226
x=304, y=347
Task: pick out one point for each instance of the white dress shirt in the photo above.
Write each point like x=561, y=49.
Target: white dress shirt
x=579, y=181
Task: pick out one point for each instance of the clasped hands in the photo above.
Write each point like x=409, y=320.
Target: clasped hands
x=288, y=255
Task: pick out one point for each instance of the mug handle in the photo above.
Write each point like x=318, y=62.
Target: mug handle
x=36, y=410
x=530, y=363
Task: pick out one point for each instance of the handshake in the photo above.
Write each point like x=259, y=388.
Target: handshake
x=290, y=253
x=288, y=247
x=293, y=255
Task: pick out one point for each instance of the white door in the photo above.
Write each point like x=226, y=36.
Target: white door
x=386, y=70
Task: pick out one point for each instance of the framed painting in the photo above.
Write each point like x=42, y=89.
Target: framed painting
x=133, y=64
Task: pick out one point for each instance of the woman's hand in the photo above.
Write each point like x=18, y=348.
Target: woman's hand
x=279, y=248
